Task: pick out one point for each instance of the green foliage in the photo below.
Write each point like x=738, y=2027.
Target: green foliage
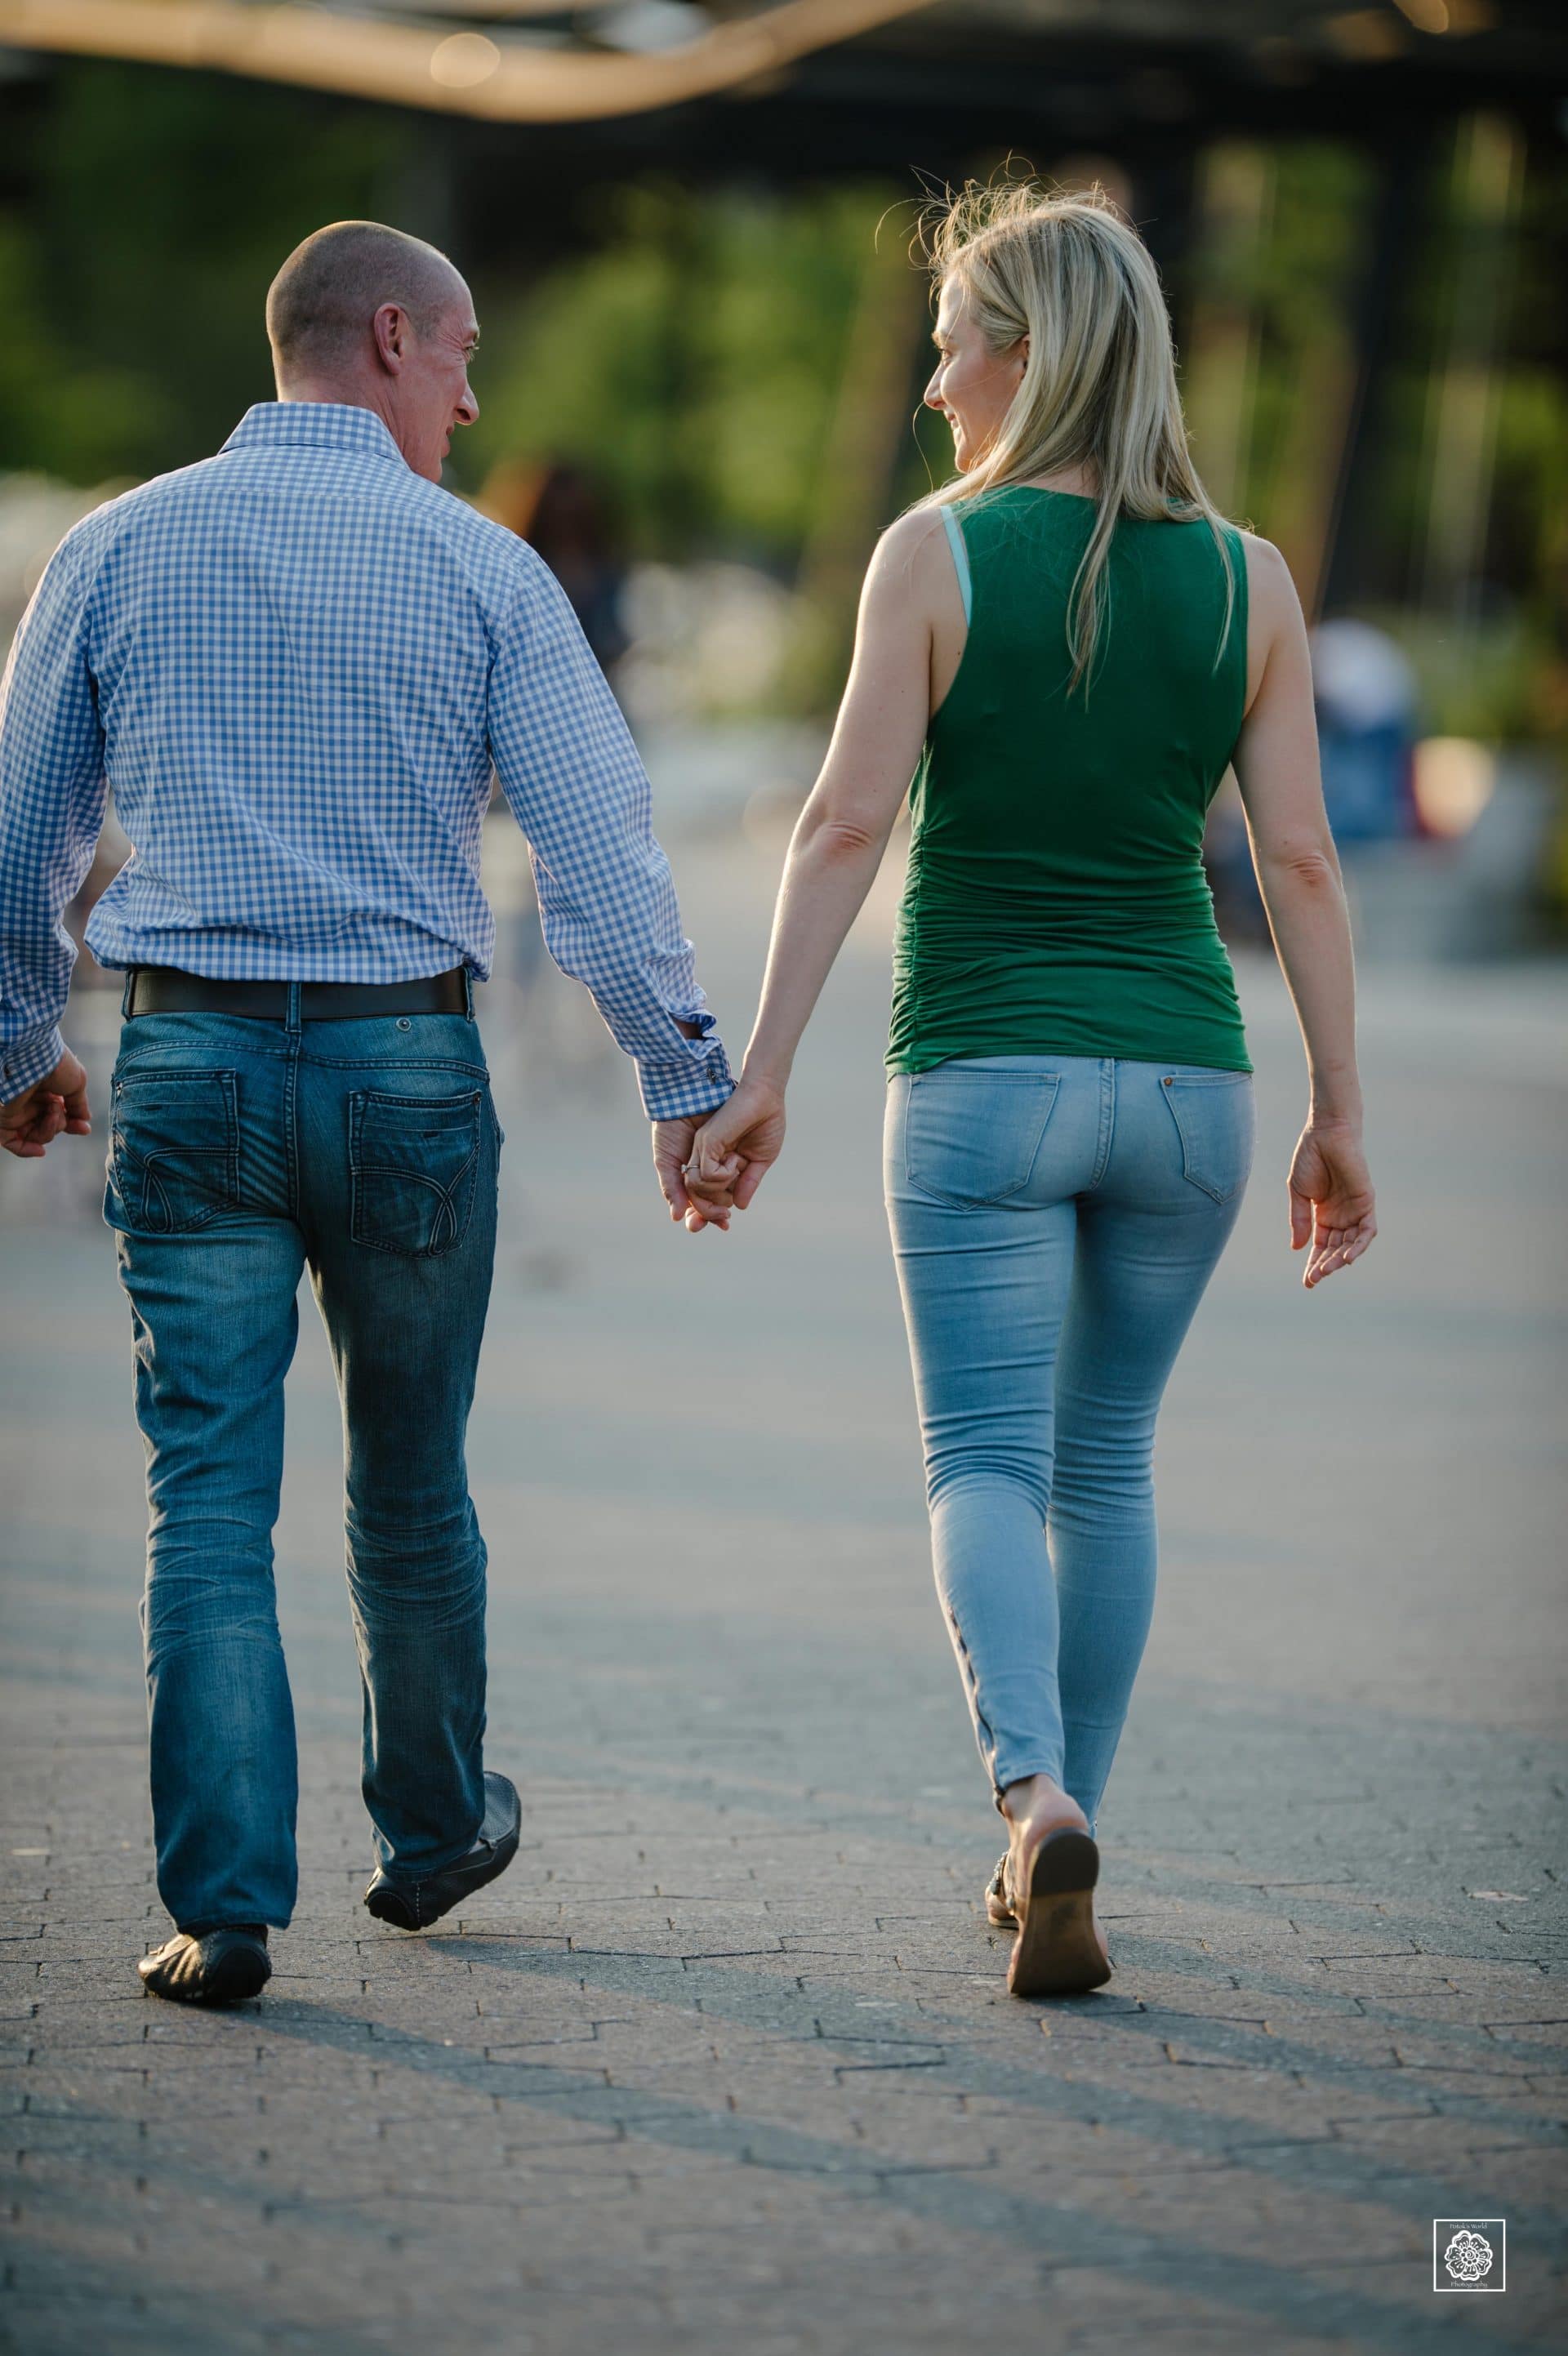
x=73, y=420
x=1490, y=679
x=1531, y=484
x=577, y=368
x=164, y=203
x=693, y=360
x=1304, y=268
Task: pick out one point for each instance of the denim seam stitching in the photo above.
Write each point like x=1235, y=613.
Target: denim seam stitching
x=1107, y=1132
x=401, y=1064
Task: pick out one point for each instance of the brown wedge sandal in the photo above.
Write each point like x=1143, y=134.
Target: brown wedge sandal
x=997, y=1908
x=1058, y=1950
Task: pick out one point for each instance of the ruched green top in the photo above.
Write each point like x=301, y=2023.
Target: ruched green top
x=1055, y=902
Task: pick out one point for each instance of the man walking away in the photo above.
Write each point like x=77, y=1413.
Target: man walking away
x=296, y=664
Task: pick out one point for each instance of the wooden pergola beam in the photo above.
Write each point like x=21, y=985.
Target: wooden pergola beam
x=454, y=72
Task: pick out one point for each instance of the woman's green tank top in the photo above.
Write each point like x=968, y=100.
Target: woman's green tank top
x=1055, y=902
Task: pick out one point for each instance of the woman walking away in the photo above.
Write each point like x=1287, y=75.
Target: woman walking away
x=1073, y=646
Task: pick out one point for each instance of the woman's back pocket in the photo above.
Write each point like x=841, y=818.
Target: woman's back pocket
x=972, y=1133
x=1214, y=1116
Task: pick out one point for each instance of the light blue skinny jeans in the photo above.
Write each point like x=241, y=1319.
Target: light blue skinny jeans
x=1055, y=1220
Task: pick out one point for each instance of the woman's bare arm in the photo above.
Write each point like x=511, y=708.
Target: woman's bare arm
x=1292, y=849
x=838, y=842
x=1304, y=896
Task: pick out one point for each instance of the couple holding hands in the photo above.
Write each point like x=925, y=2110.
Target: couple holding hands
x=300, y=664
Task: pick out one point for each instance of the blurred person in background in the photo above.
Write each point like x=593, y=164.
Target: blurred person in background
x=1364, y=695
x=561, y=513
x=557, y=509
x=296, y=664
x=1364, y=689
x=1072, y=645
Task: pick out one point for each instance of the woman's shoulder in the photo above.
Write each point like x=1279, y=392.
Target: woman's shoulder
x=1267, y=572
x=911, y=558
x=911, y=535
x=1270, y=591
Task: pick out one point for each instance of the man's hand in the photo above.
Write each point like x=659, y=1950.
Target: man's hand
x=737, y=1146
x=672, y=1144
x=54, y=1105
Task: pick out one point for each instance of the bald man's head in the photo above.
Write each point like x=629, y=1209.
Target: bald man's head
x=321, y=304
x=364, y=315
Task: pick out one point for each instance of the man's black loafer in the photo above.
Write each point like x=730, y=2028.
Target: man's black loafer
x=414, y=1905
x=221, y=1966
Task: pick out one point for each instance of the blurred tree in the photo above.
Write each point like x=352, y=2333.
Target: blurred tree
x=694, y=360
x=162, y=204
x=59, y=413
x=1312, y=261
x=1269, y=371
x=1235, y=211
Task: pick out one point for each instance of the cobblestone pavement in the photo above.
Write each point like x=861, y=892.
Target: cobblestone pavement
x=726, y=2060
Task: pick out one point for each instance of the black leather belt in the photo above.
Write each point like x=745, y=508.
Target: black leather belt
x=164, y=990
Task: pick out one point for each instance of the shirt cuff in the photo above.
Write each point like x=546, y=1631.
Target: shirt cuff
x=698, y=1082
x=26, y=1061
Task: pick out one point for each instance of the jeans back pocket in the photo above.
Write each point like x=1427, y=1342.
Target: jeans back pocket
x=972, y=1135
x=1214, y=1120
x=414, y=1164
x=174, y=1150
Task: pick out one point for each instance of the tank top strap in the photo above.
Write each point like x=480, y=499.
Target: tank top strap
x=955, y=530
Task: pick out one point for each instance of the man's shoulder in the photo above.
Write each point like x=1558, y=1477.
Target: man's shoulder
x=82, y=551
x=101, y=523
x=180, y=505
x=495, y=560
x=505, y=562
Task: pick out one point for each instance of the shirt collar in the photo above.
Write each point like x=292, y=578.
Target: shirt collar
x=314, y=425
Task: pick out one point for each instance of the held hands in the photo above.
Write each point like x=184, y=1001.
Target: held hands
x=739, y=1145
x=52, y=1107
x=708, y=1170
x=1331, y=1202
x=673, y=1145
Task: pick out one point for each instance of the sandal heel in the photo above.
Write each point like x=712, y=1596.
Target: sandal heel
x=1058, y=1951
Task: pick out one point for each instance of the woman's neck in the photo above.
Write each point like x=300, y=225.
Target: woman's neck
x=1081, y=482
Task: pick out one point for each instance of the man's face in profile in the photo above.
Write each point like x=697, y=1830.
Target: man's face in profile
x=433, y=396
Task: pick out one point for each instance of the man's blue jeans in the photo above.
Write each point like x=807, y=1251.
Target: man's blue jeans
x=241, y=1152
x=1055, y=1220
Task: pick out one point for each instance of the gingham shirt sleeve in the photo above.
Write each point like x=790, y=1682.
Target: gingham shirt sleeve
x=52, y=791
x=606, y=900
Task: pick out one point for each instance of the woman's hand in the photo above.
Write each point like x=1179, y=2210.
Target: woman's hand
x=1331, y=1202
x=737, y=1146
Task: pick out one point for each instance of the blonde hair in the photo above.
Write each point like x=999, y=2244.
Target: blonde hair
x=1099, y=389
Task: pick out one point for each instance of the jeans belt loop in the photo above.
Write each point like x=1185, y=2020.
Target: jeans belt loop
x=467, y=995
x=291, y=1018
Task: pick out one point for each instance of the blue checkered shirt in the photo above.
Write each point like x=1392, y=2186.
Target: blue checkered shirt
x=298, y=664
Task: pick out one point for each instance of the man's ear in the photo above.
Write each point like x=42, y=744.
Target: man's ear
x=391, y=330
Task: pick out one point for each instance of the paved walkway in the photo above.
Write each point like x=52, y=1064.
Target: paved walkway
x=726, y=2060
